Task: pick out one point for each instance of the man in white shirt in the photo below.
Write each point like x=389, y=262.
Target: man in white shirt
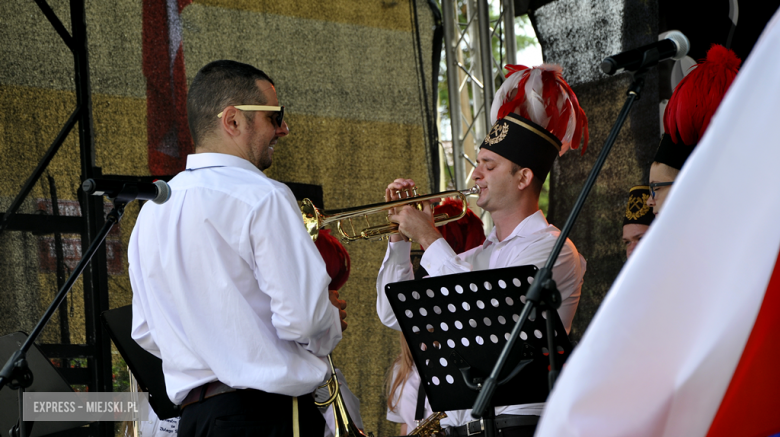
x=228, y=288
x=512, y=165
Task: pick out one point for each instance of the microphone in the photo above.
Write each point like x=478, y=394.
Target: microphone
x=674, y=46
x=158, y=192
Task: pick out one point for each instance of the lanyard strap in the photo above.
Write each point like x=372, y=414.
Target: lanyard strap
x=419, y=413
x=296, y=429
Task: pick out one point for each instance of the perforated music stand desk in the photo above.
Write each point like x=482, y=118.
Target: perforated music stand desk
x=468, y=317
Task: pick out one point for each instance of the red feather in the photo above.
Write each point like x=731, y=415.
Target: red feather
x=697, y=96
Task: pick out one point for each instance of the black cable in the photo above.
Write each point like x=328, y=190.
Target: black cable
x=431, y=133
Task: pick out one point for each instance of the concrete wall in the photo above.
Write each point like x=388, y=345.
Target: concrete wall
x=579, y=35
x=345, y=71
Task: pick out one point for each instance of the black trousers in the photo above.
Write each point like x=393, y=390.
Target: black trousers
x=517, y=431
x=250, y=413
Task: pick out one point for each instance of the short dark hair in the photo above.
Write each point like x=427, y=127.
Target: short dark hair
x=217, y=85
x=536, y=183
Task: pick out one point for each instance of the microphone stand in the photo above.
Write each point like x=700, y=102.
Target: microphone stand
x=544, y=292
x=16, y=373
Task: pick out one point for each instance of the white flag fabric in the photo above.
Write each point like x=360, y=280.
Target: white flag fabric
x=659, y=356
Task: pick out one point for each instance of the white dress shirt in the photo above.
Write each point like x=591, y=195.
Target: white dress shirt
x=228, y=285
x=406, y=404
x=530, y=243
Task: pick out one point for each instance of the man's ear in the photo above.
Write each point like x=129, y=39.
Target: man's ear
x=524, y=177
x=232, y=121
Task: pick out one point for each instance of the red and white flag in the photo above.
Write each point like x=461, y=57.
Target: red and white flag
x=687, y=341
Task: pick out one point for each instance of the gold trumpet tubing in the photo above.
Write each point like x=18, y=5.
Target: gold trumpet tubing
x=345, y=426
x=332, y=384
x=378, y=232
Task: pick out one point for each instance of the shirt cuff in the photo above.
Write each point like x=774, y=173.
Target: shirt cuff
x=398, y=252
x=436, y=255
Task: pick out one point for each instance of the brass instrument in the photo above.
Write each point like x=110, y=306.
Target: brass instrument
x=429, y=426
x=314, y=219
x=344, y=425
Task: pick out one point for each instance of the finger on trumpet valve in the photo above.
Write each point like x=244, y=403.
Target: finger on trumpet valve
x=406, y=191
x=398, y=193
x=414, y=190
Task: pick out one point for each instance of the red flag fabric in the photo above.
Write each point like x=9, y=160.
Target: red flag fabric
x=168, y=135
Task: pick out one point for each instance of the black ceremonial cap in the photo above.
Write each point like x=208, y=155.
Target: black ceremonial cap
x=525, y=143
x=637, y=211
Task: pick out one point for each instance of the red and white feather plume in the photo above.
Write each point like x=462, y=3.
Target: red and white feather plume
x=698, y=95
x=541, y=95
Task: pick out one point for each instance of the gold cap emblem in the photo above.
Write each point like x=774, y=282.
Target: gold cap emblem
x=497, y=134
x=637, y=206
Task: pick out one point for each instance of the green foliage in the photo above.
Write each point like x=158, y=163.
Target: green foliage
x=120, y=375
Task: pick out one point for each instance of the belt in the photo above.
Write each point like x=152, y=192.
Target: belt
x=503, y=421
x=205, y=391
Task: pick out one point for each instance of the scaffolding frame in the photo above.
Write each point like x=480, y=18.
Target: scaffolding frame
x=473, y=74
x=97, y=350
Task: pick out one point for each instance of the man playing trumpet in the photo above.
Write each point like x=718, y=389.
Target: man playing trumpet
x=538, y=118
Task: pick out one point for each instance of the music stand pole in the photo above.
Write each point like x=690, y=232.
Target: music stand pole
x=543, y=290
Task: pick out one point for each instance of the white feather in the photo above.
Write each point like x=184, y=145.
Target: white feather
x=502, y=95
x=533, y=99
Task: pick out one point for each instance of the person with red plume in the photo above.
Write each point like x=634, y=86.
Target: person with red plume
x=687, y=115
x=337, y=265
x=537, y=117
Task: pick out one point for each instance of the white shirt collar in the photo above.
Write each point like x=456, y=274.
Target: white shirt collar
x=533, y=223
x=204, y=160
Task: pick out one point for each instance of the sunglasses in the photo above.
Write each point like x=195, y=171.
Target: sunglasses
x=278, y=111
x=655, y=185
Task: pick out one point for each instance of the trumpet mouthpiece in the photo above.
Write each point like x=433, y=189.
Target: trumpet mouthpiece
x=473, y=190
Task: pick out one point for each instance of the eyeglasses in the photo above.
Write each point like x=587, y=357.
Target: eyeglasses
x=278, y=111
x=655, y=185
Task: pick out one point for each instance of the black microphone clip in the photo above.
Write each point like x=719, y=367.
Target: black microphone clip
x=126, y=191
x=675, y=46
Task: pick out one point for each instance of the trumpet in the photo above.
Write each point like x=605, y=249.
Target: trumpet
x=315, y=219
x=345, y=426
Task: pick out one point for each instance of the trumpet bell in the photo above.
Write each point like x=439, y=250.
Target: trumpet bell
x=311, y=218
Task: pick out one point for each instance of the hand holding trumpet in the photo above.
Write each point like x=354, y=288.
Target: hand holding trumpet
x=413, y=223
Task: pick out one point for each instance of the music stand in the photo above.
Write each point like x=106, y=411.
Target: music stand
x=146, y=367
x=47, y=379
x=456, y=327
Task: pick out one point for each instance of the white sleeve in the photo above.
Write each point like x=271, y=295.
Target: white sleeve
x=397, y=266
x=294, y=275
x=568, y=271
x=439, y=259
